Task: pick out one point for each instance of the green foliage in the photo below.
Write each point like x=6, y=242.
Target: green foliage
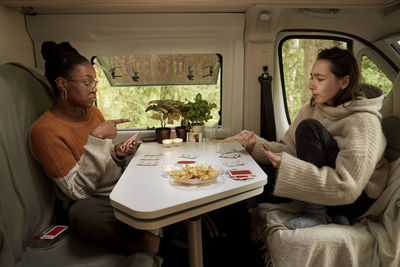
x=166, y=111
x=371, y=74
x=131, y=102
x=183, y=109
x=199, y=111
x=298, y=57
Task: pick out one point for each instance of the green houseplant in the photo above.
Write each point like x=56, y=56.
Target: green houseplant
x=166, y=111
x=183, y=128
x=197, y=113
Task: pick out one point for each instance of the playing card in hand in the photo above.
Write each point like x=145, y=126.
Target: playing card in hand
x=130, y=141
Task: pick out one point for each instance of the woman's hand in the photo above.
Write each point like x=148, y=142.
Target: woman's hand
x=107, y=129
x=129, y=150
x=245, y=138
x=274, y=158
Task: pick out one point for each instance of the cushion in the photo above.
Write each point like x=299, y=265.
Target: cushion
x=391, y=128
x=27, y=197
x=26, y=194
x=72, y=251
x=373, y=241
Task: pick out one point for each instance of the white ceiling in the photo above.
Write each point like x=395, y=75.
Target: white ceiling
x=157, y=6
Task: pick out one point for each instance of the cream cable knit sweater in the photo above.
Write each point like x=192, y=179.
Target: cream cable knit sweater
x=359, y=164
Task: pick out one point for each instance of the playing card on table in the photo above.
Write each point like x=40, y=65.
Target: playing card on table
x=240, y=174
x=153, y=154
x=151, y=157
x=227, y=150
x=234, y=163
x=147, y=163
x=186, y=162
x=242, y=178
x=235, y=172
x=189, y=156
x=230, y=155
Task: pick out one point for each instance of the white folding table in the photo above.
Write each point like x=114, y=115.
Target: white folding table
x=146, y=199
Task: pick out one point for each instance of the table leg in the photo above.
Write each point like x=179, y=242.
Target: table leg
x=193, y=227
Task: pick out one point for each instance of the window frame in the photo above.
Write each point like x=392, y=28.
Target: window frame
x=330, y=34
x=396, y=46
x=220, y=73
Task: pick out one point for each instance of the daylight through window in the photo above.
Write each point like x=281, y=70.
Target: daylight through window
x=371, y=74
x=127, y=83
x=298, y=56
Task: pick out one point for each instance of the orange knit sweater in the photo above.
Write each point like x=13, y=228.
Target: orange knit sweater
x=59, y=144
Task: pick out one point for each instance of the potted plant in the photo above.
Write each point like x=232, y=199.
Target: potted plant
x=181, y=130
x=166, y=111
x=197, y=113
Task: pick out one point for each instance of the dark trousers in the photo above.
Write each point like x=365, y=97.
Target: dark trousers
x=316, y=145
x=93, y=218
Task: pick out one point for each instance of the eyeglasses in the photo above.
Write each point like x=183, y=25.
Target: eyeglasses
x=91, y=85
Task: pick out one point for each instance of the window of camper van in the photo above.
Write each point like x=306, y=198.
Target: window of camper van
x=297, y=57
x=372, y=74
x=128, y=82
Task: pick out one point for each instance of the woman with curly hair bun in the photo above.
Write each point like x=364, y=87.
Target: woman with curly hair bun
x=72, y=141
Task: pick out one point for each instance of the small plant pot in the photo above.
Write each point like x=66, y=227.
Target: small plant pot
x=181, y=132
x=163, y=133
x=198, y=129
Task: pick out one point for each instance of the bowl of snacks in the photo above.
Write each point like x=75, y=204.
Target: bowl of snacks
x=194, y=174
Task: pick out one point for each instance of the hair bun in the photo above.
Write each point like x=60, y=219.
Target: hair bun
x=49, y=50
x=66, y=47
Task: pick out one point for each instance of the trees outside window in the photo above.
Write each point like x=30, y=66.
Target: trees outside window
x=371, y=74
x=125, y=91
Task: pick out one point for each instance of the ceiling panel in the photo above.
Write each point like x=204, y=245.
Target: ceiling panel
x=171, y=6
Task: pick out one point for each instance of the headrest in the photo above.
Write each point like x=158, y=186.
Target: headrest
x=370, y=91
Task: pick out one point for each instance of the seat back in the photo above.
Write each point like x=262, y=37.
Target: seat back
x=391, y=121
x=27, y=198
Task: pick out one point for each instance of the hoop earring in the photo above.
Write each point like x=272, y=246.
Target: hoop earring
x=64, y=94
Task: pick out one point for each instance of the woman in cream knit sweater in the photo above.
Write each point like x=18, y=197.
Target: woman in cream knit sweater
x=331, y=157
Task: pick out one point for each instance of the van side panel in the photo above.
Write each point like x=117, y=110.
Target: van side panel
x=15, y=45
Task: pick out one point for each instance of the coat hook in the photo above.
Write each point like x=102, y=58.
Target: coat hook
x=135, y=77
x=211, y=72
x=190, y=75
x=113, y=72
